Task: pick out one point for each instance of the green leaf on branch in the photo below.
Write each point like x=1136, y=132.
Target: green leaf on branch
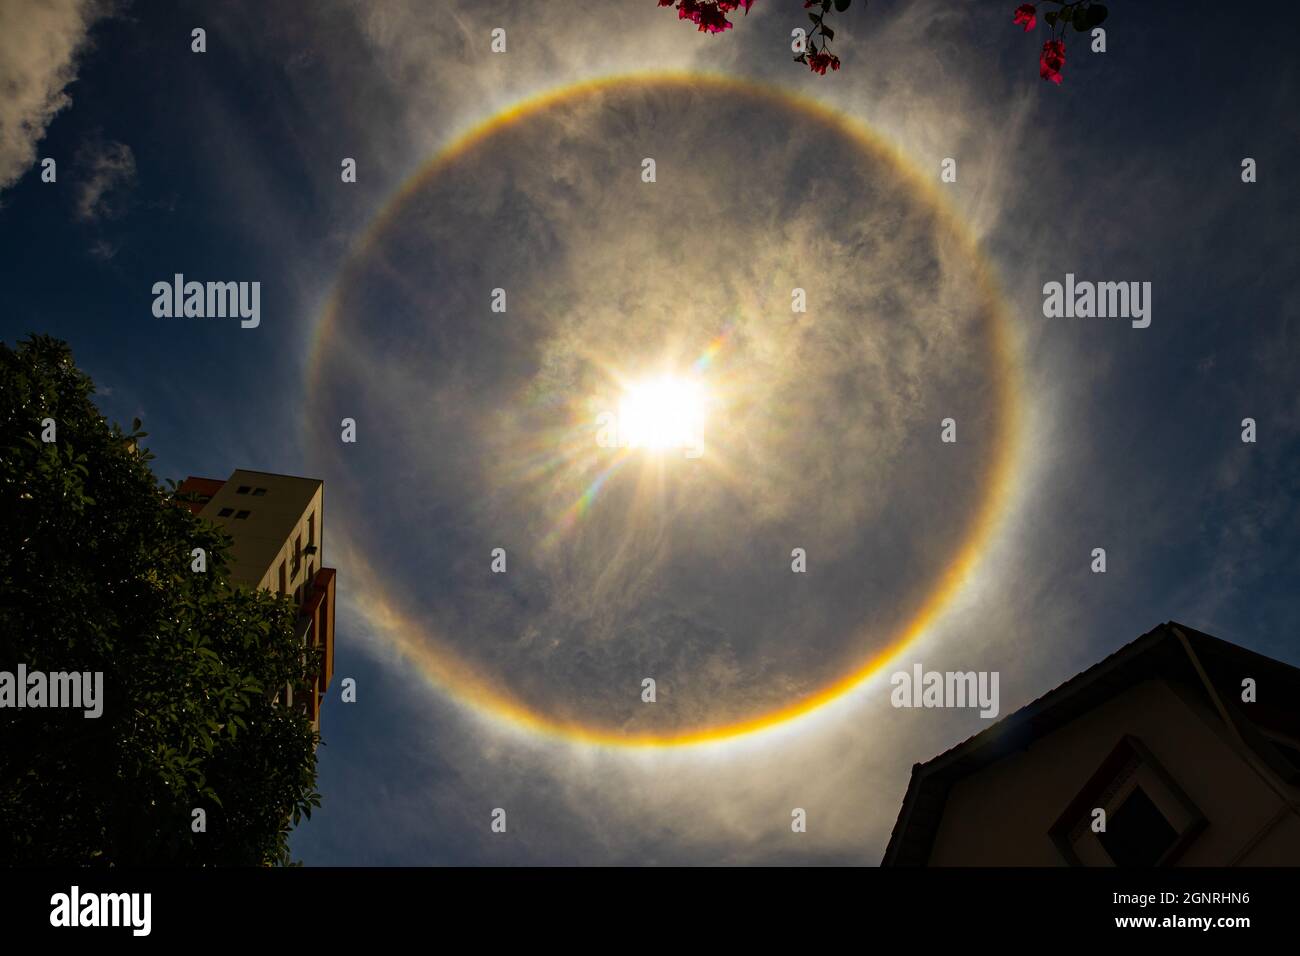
x=187, y=655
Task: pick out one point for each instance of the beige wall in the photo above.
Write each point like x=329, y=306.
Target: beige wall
x=266, y=537
x=1001, y=815
x=271, y=579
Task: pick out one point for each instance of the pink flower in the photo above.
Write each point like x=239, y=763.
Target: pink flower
x=1051, y=60
x=1026, y=14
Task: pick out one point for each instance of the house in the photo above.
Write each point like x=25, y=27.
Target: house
x=1180, y=749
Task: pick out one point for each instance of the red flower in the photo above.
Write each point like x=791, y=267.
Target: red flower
x=708, y=15
x=712, y=20
x=666, y=3
x=1025, y=13
x=818, y=62
x=1051, y=60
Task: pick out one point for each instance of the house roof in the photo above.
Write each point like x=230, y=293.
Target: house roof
x=1158, y=653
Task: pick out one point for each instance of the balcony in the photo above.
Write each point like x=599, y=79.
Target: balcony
x=316, y=629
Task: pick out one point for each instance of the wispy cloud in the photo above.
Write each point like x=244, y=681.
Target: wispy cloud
x=108, y=174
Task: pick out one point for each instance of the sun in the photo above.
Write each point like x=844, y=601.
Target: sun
x=662, y=414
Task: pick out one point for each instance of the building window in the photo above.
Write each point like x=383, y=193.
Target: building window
x=1137, y=833
x=311, y=529
x=297, y=554
x=284, y=577
x=258, y=492
x=225, y=512
x=243, y=490
x=1149, y=819
x=241, y=515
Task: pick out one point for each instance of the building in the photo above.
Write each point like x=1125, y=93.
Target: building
x=1189, y=744
x=277, y=524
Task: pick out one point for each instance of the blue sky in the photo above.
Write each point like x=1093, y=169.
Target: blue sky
x=224, y=165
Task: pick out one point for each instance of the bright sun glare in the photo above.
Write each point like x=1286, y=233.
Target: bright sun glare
x=663, y=413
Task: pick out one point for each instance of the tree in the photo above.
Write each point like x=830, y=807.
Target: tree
x=96, y=575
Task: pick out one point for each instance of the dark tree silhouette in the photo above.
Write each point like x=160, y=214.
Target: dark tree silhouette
x=96, y=574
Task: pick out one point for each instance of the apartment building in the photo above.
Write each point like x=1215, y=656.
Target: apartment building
x=277, y=526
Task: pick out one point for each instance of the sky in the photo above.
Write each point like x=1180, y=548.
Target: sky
x=477, y=429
